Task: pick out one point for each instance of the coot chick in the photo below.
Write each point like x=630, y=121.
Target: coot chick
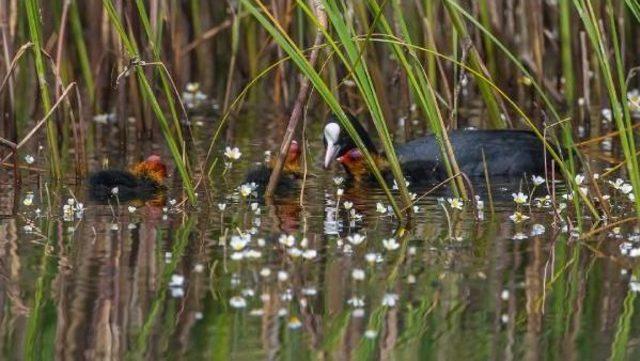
x=508, y=153
x=291, y=170
x=142, y=182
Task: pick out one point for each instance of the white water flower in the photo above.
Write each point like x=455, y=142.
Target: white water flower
x=380, y=208
x=238, y=302
x=245, y=190
x=232, y=153
x=607, y=114
x=504, y=295
x=283, y=276
x=356, y=302
x=390, y=299
x=455, y=203
x=347, y=205
x=617, y=184
x=29, y=159
x=372, y=258
x=339, y=192
x=395, y=184
x=390, y=244
x=28, y=199
x=518, y=217
x=67, y=212
x=537, y=229
x=192, y=87
x=310, y=254
x=294, y=323
x=131, y=209
x=294, y=252
x=265, y=272
x=115, y=191
x=520, y=198
x=309, y=291
x=252, y=253
x=537, y=180
x=579, y=179
x=287, y=240
x=354, y=215
x=358, y=274
x=176, y=280
x=519, y=236
x=239, y=242
x=626, y=188
x=479, y=203
x=370, y=334
x=338, y=180
x=222, y=206
x=356, y=239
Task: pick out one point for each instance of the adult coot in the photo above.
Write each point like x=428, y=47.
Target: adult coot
x=508, y=153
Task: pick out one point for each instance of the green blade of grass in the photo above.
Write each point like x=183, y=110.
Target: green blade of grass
x=258, y=10
x=149, y=96
x=33, y=17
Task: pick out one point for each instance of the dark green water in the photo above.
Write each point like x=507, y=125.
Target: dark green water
x=181, y=284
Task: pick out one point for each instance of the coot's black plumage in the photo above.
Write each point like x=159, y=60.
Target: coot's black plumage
x=508, y=153
x=130, y=187
x=142, y=183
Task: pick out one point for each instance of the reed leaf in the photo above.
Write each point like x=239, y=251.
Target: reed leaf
x=259, y=11
x=149, y=96
x=33, y=17
x=615, y=84
x=424, y=92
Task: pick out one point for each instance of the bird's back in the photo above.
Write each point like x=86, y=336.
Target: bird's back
x=507, y=153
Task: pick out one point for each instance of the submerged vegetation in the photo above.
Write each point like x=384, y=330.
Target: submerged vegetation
x=86, y=85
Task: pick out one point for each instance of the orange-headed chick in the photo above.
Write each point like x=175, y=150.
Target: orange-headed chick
x=291, y=169
x=151, y=168
x=356, y=166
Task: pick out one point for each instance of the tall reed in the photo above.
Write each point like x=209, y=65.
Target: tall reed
x=613, y=74
x=35, y=31
x=149, y=96
x=360, y=74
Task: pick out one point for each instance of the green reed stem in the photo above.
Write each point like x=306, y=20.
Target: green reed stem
x=81, y=48
x=485, y=20
x=493, y=108
x=353, y=59
x=33, y=17
x=269, y=23
x=612, y=73
x=148, y=95
x=166, y=84
x=568, y=166
x=424, y=92
x=566, y=54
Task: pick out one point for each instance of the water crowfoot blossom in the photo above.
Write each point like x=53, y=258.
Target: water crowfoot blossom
x=390, y=244
x=455, y=203
x=537, y=180
x=518, y=217
x=520, y=198
x=356, y=239
x=232, y=154
x=390, y=299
